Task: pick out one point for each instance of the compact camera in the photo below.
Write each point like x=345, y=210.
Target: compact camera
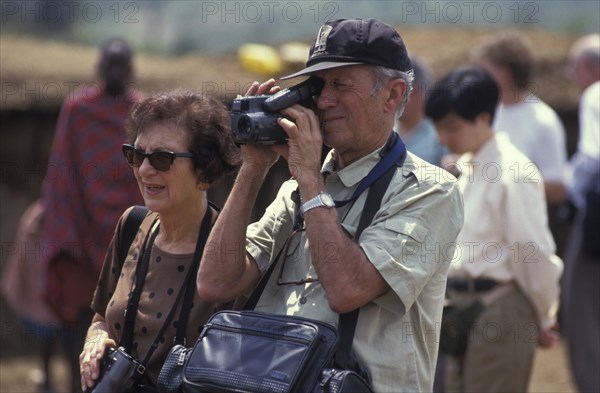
x=254, y=119
x=119, y=372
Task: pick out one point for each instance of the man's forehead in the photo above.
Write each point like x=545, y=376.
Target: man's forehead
x=349, y=71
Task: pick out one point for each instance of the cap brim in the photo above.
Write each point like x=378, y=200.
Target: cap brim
x=325, y=65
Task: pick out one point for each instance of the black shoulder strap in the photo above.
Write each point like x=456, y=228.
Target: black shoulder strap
x=130, y=228
x=258, y=290
x=134, y=297
x=190, y=290
x=347, y=322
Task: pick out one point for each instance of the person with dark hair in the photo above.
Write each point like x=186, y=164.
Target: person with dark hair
x=416, y=130
x=179, y=144
x=504, y=256
x=388, y=272
x=88, y=185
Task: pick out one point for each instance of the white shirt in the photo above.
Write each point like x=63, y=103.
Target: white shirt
x=585, y=163
x=535, y=129
x=589, y=118
x=505, y=236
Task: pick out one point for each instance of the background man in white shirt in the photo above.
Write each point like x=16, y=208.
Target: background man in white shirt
x=505, y=246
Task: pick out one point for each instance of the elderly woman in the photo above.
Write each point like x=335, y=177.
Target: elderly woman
x=180, y=143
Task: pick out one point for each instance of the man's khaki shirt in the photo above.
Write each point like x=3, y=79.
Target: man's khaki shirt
x=410, y=241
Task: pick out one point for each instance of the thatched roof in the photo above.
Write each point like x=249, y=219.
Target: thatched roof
x=40, y=74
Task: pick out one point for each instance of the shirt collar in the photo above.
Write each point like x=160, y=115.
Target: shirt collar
x=352, y=174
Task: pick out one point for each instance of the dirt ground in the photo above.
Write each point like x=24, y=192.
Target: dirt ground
x=21, y=374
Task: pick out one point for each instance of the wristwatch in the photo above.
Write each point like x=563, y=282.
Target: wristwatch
x=322, y=199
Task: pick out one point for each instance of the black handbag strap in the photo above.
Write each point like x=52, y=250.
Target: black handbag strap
x=190, y=291
x=347, y=321
x=134, y=297
x=130, y=228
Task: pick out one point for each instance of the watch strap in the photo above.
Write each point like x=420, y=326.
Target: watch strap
x=316, y=201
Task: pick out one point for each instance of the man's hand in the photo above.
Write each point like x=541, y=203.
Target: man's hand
x=257, y=155
x=305, y=142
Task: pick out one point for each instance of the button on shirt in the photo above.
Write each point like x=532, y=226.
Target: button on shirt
x=506, y=236
x=397, y=334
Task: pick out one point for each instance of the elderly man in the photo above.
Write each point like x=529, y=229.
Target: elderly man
x=395, y=272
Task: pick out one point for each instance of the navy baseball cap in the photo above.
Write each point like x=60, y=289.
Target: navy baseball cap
x=343, y=42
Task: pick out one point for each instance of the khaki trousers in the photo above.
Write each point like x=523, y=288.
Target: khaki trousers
x=501, y=347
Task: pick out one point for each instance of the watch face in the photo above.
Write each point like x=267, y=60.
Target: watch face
x=327, y=200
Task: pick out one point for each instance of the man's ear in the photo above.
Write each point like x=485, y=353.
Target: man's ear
x=484, y=118
x=396, y=90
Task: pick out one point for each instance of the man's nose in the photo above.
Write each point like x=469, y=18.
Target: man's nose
x=327, y=98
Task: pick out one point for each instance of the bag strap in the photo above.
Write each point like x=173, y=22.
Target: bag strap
x=347, y=322
x=130, y=228
x=393, y=154
x=188, y=299
x=134, y=297
x=255, y=296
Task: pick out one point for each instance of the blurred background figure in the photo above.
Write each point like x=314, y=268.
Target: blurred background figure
x=582, y=276
x=22, y=289
x=519, y=281
x=533, y=127
x=88, y=184
x=416, y=130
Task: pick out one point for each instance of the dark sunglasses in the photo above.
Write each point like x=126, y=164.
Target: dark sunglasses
x=160, y=160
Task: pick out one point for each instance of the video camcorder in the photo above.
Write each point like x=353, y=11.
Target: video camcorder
x=254, y=119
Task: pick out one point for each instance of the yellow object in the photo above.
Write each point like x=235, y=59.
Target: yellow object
x=260, y=58
x=294, y=54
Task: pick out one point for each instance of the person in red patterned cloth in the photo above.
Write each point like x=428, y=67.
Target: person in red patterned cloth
x=88, y=185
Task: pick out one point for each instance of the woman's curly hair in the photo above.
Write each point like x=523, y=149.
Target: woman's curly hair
x=207, y=122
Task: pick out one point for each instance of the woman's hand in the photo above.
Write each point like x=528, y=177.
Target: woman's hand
x=548, y=338
x=96, y=343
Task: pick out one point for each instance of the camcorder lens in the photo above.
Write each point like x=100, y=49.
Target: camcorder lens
x=245, y=125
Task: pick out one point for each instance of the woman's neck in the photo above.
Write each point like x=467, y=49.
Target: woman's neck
x=179, y=231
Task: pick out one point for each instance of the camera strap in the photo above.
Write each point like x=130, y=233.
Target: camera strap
x=142, y=270
x=393, y=153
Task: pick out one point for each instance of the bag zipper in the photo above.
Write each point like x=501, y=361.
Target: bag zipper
x=181, y=359
x=258, y=332
x=310, y=344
